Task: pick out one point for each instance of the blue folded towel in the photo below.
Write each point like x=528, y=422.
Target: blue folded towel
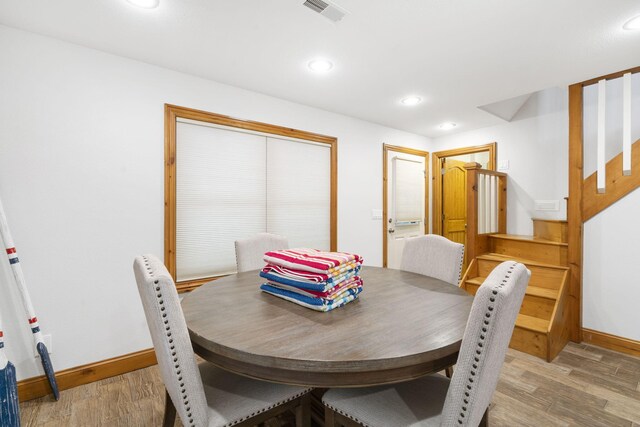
x=320, y=287
x=319, y=304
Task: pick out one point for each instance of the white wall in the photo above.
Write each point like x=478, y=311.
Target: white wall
x=610, y=280
x=81, y=178
x=535, y=145
x=611, y=285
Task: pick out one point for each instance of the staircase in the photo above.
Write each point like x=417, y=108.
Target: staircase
x=542, y=326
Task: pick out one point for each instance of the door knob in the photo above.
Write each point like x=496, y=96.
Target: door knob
x=391, y=230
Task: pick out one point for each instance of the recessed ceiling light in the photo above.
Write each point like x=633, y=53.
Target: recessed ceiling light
x=447, y=125
x=145, y=4
x=410, y=101
x=320, y=65
x=632, y=24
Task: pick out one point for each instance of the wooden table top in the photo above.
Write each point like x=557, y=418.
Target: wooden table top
x=402, y=326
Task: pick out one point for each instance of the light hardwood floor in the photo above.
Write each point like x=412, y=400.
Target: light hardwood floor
x=583, y=386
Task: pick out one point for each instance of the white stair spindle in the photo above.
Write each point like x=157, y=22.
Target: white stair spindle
x=602, y=105
x=626, y=124
x=494, y=204
x=487, y=204
x=481, y=201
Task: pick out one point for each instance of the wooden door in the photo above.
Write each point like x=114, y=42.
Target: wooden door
x=454, y=200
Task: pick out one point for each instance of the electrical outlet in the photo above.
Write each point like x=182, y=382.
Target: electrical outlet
x=48, y=342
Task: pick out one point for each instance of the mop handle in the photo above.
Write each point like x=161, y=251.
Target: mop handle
x=17, y=273
x=3, y=357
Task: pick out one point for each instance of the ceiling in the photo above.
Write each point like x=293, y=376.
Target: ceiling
x=455, y=54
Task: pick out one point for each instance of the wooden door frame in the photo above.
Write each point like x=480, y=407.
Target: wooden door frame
x=436, y=161
x=413, y=151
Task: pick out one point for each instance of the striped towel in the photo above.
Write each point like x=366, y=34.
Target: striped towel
x=318, y=304
x=311, y=260
x=309, y=277
x=331, y=294
x=274, y=275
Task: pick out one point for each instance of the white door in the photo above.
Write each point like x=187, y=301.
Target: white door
x=405, y=202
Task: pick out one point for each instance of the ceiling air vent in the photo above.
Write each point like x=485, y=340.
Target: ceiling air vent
x=328, y=10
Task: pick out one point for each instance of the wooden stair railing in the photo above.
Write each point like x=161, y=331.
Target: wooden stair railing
x=584, y=201
x=618, y=185
x=479, y=243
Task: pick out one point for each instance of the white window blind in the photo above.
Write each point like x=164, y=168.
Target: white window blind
x=233, y=184
x=220, y=197
x=408, y=192
x=298, y=192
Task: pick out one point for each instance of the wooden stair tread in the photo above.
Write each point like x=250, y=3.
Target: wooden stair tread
x=562, y=221
x=531, y=323
x=502, y=258
x=530, y=239
x=477, y=280
x=531, y=290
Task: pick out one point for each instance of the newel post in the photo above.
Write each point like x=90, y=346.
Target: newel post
x=502, y=204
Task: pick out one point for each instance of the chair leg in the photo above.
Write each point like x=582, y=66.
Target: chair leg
x=169, y=411
x=303, y=412
x=329, y=418
x=484, y=422
x=449, y=372
x=335, y=419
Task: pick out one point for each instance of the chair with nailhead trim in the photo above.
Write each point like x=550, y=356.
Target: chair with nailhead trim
x=435, y=400
x=250, y=251
x=434, y=256
x=203, y=394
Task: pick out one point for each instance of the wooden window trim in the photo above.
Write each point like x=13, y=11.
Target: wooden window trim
x=436, y=159
x=174, y=112
x=385, y=154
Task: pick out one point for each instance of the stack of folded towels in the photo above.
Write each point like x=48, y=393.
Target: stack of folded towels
x=318, y=280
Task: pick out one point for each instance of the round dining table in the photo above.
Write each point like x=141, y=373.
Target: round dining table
x=402, y=326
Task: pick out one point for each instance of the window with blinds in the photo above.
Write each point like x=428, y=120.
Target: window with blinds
x=408, y=191
x=233, y=183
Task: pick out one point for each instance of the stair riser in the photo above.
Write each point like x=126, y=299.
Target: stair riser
x=529, y=342
x=531, y=305
x=550, y=230
x=543, y=277
x=548, y=254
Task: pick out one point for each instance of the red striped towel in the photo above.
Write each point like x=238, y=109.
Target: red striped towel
x=310, y=277
x=310, y=259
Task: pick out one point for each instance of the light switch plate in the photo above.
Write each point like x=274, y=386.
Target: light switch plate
x=503, y=165
x=547, y=205
x=376, y=213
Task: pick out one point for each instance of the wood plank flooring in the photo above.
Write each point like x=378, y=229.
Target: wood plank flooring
x=584, y=386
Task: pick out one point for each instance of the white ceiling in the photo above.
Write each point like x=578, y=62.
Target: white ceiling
x=455, y=54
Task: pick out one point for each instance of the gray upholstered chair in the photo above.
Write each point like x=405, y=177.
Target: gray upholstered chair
x=249, y=252
x=433, y=256
x=435, y=400
x=203, y=394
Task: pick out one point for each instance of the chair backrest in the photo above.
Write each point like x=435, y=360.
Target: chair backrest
x=250, y=251
x=171, y=341
x=484, y=345
x=434, y=256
